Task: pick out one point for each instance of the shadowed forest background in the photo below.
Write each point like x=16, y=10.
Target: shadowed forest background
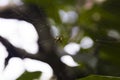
x=86, y=30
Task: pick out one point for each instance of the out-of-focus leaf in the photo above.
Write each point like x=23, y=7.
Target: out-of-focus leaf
x=29, y=76
x=96, y=77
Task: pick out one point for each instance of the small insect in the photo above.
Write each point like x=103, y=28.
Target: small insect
x=59, y=39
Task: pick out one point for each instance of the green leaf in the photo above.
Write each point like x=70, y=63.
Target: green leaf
x=29, y=76
x=97, y=77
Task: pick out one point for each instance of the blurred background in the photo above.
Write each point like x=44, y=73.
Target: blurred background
x=87, y=35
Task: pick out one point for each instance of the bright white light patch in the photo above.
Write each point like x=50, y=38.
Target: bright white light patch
x=74, y=32
x=14, y=69
x=55, y=32
x=20, y=33
x=68, y=17
x=86, y=43
x=17, y=2
x=3, y=55
x=34, y=65
x=3, y=51
x=68, y=60
x=100, y=1
x=4, y=2
x=114, y=34
x=72, y=48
